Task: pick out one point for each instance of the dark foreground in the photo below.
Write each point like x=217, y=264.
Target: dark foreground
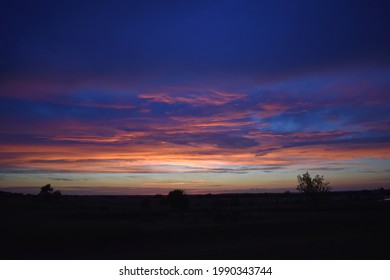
x=255, y=226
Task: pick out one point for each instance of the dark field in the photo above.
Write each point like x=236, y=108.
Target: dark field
x=349, y=225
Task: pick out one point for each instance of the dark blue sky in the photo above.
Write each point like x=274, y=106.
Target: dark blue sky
x=190, y=39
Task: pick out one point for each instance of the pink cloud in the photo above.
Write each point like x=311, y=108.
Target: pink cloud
x=193, y=97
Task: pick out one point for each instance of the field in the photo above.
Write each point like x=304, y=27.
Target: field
x=345, y=225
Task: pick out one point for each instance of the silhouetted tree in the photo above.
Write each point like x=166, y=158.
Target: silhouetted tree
x=178, y=200
x=48, y=192
x=308, y=185
x=313, y=188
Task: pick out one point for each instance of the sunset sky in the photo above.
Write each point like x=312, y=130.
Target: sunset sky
x=140, y=97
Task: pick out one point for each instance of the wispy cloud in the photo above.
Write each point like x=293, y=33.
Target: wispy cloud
x=194, y=97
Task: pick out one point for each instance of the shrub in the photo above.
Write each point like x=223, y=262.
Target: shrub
x=178, y=200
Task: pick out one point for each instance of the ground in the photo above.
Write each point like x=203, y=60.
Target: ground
x=351, y=225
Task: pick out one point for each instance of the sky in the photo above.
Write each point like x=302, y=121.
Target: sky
x=141, y=97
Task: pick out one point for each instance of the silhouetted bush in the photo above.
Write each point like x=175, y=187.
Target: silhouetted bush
x=380, y=194
x=178, y=200
x=313, y=188
x=308, y=185
x=56, y=194
x=47, y=192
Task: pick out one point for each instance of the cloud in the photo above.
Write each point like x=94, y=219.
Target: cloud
x=60, y=179
x=193, y=97
x=326, y=168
